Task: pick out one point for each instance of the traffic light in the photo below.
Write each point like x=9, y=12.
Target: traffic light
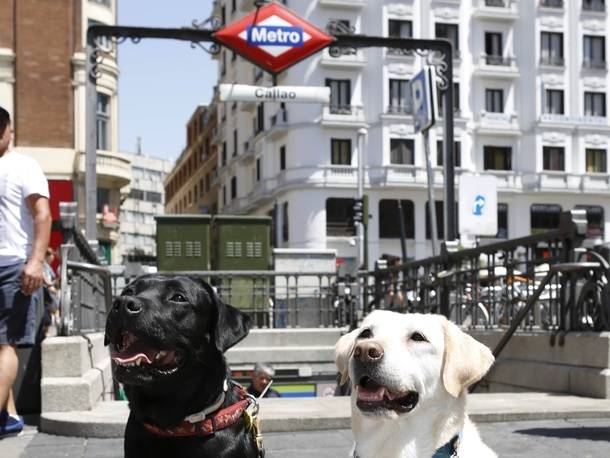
x=360, y=210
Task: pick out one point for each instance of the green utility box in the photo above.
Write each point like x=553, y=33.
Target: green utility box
x=244, y=243
x=183, y=242
x=241, y=242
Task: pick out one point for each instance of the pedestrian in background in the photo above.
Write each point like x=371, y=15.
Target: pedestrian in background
x=25, y=228
x=261, y=377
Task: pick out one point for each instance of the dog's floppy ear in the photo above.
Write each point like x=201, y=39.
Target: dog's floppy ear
x=343, y=352
x=232, y=326
x=465, y=360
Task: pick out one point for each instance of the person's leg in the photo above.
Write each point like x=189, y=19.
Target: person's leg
x=8, y=373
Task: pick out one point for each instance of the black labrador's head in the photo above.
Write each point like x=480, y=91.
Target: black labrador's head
x=164, y=329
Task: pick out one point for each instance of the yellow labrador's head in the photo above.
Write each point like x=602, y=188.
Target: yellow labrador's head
x=397, y=361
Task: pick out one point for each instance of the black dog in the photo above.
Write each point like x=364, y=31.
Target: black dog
x=167, y=336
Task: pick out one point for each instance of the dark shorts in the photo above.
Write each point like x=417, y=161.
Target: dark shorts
x=17, y=312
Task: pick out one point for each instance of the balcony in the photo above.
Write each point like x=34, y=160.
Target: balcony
x=594, y=64
x=550, y=180
x=497, y=124
x=249, y=149
x=552, y=61
x=349, y=116
x=111, y=168
x=279, y=124
x=557, y=4
x=497, y=10
x=343, y=4
x=347, y=61
x=596, y=182
x=565, y=121
x=491, y=66
x=594, y=6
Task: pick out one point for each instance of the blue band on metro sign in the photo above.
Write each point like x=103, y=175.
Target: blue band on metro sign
x=264, y=35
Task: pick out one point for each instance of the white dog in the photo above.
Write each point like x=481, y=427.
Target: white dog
x=409, y=376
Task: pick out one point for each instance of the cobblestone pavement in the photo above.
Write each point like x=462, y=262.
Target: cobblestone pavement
x=526, y=439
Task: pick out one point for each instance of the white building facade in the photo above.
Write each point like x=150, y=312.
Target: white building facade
x=145, y=201
x=531, y=84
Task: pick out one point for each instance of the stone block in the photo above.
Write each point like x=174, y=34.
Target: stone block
x=65, y=357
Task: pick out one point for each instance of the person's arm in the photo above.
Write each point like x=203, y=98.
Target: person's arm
x=33, y=272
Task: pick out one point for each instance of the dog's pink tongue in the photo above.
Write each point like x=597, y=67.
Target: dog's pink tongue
x=371, y=395
x=134, y=352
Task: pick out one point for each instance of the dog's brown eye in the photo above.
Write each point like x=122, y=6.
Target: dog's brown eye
x=365, y=334
x=178, y=298
x=417, y=337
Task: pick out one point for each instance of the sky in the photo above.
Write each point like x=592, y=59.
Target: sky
x=161, y=82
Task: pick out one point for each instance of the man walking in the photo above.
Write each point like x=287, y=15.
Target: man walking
x=25, y=226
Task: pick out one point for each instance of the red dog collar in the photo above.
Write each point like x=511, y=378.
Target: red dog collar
x=221, y=419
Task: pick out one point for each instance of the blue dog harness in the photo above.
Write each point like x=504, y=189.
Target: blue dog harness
x=450, y=449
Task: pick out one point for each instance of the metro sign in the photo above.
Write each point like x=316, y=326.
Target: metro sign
x=273, y=38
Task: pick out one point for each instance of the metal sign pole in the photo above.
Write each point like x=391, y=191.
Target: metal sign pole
x=431, y=201
x=360, y=227
x=90, y=143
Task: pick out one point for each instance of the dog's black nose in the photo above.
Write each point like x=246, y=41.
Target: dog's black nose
x=130, y=305
x=368, y=352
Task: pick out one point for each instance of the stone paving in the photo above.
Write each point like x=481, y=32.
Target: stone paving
x=584, y=438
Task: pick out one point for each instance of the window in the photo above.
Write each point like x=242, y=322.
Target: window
x=553, y=158
x=285, y=227
x=260, y=118
x=456, y=100
x=502, y=221
x=233, y=6
x=258, y=169
x=595, y=220
x=494, y=100
x=400, y=97
x=494, y=48
x=234, y=142
x=457, y=154
x=544, y=217
x=402, y=151
x=340, y=151
x=551, y=48
x=340, y=96
x=282, y=157
x=223, y=67
x=103, y=198
x=595, y=104
x=339, y=217
x=497, y=158
x=594, y=5
x=553, y=102
x=190, y=197
x=389, y=223
x=224, y=195
x=595, y=160
x=551, y=3
x=201, y=189
x=223, y=155
x=594, y=51
x=400, y=29
x=450, y=32
x=103, y=121
x=233, y=188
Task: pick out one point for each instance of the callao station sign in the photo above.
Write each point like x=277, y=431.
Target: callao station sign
x=273, y=37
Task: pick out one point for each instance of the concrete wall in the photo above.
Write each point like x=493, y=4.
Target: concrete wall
x=581, y=366
x=76, y=373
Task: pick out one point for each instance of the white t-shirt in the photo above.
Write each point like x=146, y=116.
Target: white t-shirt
x=20, y=177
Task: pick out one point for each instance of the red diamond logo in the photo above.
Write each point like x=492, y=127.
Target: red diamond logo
x=273, y=37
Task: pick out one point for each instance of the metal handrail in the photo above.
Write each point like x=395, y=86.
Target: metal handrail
x=567, y=267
